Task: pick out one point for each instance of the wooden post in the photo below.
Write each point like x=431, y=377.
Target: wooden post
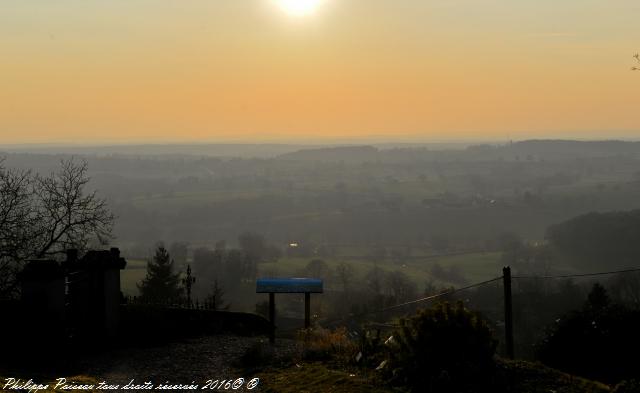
x=272, y=317
x=307, y=310
x=508, y=311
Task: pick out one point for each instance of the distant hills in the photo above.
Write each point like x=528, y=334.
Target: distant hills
x=525, y=150
x=342, y=153
x=205, y=149
x=547, y=149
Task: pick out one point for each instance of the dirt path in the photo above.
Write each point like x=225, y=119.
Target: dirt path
x=191, y=362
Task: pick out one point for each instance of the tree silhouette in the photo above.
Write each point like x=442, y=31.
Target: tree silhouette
x=215, y=300
x=345, y=274
x=161, y=285
x=600, y=341
x=43, y=216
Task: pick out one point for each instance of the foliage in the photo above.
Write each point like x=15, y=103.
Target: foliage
x=528, y=377
x=178, y=251
x=317, y=268
x=627, y=386
x=517, y=376
x=598, y=240
x=529, y=259
x=215, y=300
x=442, y=349
x=344, y=273
x=326, y=344
x=625, y=288
x=316, y=378
x=600, y=341
x=228, y=267
x=400, y=287
x=161, y=285
x=253, y=246
x=42, y=216
x=454, y=274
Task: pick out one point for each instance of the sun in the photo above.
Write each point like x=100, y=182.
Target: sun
x=299, y=7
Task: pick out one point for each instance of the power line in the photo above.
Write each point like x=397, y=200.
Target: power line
x=437, y=296
x=582, y=275
x=451, y=292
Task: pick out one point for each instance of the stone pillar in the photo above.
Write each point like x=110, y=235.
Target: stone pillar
x=94, y=288
x=111, y=292
x=43, y=300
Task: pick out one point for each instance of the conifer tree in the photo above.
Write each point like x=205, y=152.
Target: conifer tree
x=161, y=285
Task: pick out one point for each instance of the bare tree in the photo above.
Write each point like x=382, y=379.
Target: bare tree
x=42, y=216
x=16, y=219
x=345, y=274
x=400, y=287
x=215, y=300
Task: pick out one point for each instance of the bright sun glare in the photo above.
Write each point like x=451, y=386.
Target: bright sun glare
x=299, y=7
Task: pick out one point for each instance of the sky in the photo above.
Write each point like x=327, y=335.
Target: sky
x=158, y=71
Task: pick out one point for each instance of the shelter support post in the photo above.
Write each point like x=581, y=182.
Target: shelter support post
x=272, y=317
x=307, y=310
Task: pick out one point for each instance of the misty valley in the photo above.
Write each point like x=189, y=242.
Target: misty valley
x=405, y=238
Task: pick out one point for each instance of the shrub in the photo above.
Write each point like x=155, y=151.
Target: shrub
x=599, y=342
x=442, y=349
x=325, y=344
x=630, y=386
x=372, y=349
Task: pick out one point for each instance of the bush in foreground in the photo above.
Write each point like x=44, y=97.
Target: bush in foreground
x=630, y=386
x=326, y=344
x=599, y=342
x=442, y=349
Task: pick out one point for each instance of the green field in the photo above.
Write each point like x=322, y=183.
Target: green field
x=135, y=271
x=475, y=267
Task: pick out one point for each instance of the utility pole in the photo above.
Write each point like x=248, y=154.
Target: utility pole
x=508, y=311
x=188, y=283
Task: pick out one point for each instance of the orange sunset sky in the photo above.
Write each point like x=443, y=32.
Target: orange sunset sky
x=155, y=71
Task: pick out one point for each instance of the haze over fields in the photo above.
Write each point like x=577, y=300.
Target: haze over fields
x=401, y=196
x=460, y=174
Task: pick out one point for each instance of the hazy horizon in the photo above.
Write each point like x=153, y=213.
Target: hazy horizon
x=363, y=140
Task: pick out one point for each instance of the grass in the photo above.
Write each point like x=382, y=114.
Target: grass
x=135, y=272
x=316, y=377
x=520, y=376
x=180, y=199
x=326, y=365
x=528, y=377
x=475, y=266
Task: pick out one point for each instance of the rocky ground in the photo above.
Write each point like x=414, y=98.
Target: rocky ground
x=198, y=364
x=200, y=361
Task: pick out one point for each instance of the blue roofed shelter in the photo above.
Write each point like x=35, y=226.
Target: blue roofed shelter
x=289, y=285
